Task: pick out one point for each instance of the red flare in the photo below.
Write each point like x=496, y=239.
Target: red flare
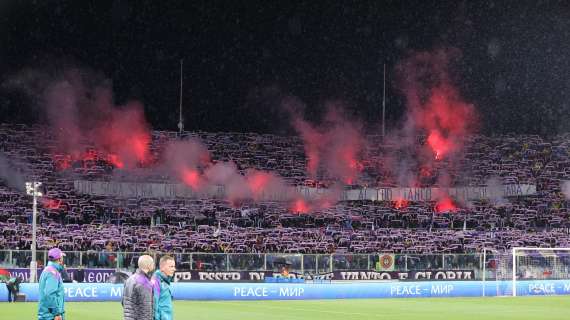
x=300, y=206
x=62, y=163
x=439, y=145
x=426, y=172
x=445, y=205
x=401, y=203
x=51, y=204
x=87, y=160
x=115, y=161
x=191, y=177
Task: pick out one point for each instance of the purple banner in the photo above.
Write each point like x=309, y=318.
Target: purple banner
x=110, y=275
x=353, y=275
x=89, y=275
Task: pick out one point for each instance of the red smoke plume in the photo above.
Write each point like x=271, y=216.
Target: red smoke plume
x=260, y=182
x=115, y=161
x=187, y=153
x=191, y=177
x=125, y=136
x=434, y=105
x=90, y=155
x=302, y=205
x=434, y=110
x=184, y=158
x=79, y=107
x=227, y=175
x=313, y=142
x=447, y=119
x=255, y=184
x=335, y=145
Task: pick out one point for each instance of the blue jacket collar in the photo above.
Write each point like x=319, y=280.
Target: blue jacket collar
x=57, y=266
x=164, y=277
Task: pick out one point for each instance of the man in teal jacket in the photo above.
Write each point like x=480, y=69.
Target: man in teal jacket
x=162, y=293
x=51, y=304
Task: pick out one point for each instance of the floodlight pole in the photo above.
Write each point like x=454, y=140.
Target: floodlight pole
x=34, y=271
x=180, y=120
x=384, y=104
x=32, y=189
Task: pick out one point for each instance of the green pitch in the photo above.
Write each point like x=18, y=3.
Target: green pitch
x=552, y=308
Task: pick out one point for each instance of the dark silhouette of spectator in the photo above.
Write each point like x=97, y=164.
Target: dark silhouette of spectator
x=80, y=274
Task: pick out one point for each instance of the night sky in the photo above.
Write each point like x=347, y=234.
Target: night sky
x=242, y=57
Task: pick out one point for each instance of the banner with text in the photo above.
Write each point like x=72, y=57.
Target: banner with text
x=171, y=190
x=306, y=291
x=89, y=275
x=353, y=275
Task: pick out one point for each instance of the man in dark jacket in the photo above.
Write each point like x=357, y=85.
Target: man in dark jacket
x=80, y=274
x=138, y=300
x=65, y=275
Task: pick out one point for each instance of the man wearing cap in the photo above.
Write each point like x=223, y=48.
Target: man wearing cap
x=138, y=299
x=51, y=304
x=162, y=294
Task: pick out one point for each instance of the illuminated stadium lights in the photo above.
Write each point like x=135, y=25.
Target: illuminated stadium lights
x=32, y=190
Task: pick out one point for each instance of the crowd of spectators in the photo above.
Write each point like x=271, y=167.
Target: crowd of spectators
x=77, y=222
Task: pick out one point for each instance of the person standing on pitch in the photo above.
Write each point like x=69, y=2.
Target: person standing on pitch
x=13, y=286
x=138, y=300
x=162, y=294
x=51, y=295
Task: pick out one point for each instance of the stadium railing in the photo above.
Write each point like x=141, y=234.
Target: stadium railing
x=301, y=263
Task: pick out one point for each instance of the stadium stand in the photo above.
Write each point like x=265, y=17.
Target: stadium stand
x=86, y=223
